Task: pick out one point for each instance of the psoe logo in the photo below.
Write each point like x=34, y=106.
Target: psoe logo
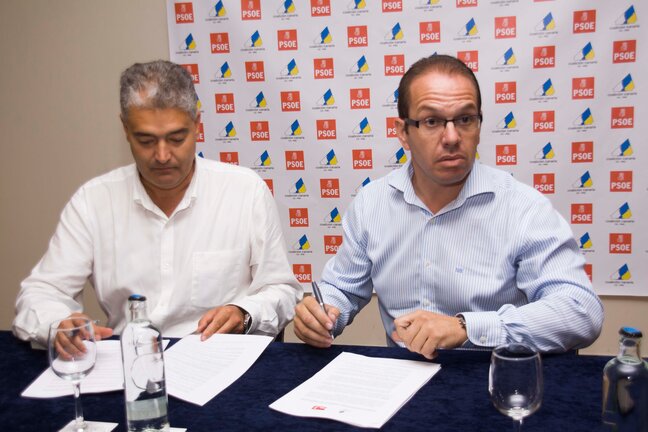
x=620, y=181
x=323, y=68
x=320, y=8
x=470, y=59
x=184, y=13
x=544, y=56
x=295, y=160
x=620, y=243
x=326, y=129
x=193, y=71
x=332, y=243
x=582, y=151
x=505, y=27
x=583, y=88
x=287, y=39
x=392, y=6
x=545, y=182
x=357, y=36
x=466, y=3
x=543, y=121
x=219, y=43
x=330, y=188
x=259, y=131
x=304, y=274
x=229, y=157
x=290, y=101
x=624, y=51
x=581, y=213
x=362, y=159
x=622, y=117
x=250, y=10
x=360, y=98
x=224, y=103
x=390, y=127
x=394, y=64
x=505, y=92
x=430, y=32
x=506, y=154
x=298, y=217
x=254, y=71
x=584, y=21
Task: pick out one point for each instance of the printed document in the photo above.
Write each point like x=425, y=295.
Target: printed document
x=358, y=390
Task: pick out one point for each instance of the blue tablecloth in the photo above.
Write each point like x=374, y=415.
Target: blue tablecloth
x=456, y=399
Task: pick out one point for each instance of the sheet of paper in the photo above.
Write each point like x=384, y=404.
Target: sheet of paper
x=196, y=370
x=358, y=390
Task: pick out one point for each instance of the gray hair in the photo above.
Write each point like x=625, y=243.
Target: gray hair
x=157, y=84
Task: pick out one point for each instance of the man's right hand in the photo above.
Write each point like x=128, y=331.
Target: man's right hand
x=312, y=324
x=99, y=331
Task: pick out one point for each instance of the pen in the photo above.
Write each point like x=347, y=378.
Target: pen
x=320, y=300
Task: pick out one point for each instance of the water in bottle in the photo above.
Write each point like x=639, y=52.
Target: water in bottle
x=625, y=386
x=144, y=384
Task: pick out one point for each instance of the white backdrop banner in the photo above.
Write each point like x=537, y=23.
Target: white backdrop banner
x=304, y=93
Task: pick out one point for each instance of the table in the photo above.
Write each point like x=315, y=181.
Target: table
x=456, y=399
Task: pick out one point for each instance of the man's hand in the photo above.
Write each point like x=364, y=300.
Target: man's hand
x=221, y=319
x=77, y=320
x=73, y=347
x=423, y=332
x=312, y=325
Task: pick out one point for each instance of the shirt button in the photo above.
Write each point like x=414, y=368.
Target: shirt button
x=426, y=302
x=482, y=339
x=427, y=264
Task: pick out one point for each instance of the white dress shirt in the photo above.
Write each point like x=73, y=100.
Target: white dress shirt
x=222, y=245
x=499, y=254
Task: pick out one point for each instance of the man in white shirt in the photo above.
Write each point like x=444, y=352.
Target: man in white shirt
x=200, y=239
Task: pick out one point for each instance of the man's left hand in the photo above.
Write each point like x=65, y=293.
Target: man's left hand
x=221, y=319
x=423, y=332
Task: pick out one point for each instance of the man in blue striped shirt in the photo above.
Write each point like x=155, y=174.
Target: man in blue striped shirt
x=458, y=253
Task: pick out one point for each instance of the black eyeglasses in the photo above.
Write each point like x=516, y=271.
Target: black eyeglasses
x=463, y=123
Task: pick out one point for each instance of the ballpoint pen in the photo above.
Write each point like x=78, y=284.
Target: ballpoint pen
x=320, y=300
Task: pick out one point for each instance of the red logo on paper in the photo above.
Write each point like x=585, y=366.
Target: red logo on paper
x=295, y=159
x=581, y=213
x=362, y=159
x=259, y=131
x=624, y=51
x=622, y=117
x=582, y=151
x=470, y=59
x=394, y=64
x=332, y=243
x=200, y=133
x=303, y=273
x=620, y=181
x=583, y=88
x=250, y=10
x=466, y=3
x=290, y=101
x=229, y=157
x=588, y=271
x=224, y=103
x=320, y=8
x=193, y=71
x=184, y=13
x=505, y=92
x=584, y=21
x=326, y=129
x=287, y=40
x=544, y=56
x=270, y=185
x=360, y=98
x=318, y=408
x=254, y=71
x=219, y=43
x=323, y=68
x=543, y=121
x=298, y=217
x=357, y=36
x=330, y=188
x=545, y=183
x=392, y=5
x=506, y=154
x=620, y=243
x=391, y=127
x=430, y=32
x=505, y=27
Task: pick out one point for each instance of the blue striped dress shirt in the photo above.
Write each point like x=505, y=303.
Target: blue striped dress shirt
x=499, y=254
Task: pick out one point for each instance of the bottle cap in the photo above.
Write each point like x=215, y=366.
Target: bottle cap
x=630, y=332
x=137, y=297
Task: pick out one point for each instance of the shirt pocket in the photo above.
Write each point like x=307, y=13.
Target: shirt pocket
x=215, y=277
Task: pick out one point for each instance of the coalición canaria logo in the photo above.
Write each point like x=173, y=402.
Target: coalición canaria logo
x=217, y=12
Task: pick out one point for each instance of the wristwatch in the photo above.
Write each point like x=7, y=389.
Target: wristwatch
x=462, y=321
x=247, y=320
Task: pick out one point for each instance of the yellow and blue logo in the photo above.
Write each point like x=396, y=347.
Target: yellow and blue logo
x=400, y=156
x=287, y=7
x=255, y=40
x=325, y=36
x=396, y=32
x=546, y=153
x=330, y=159
x=264, y=159
x=225, y=70
x=547, y=24
x=300, y=186
x=260, y=101
x=366, y=181
x=470, y=29
x=295, y=129
x=623, y=212
x=508, y=59
x=363, y=127
x=334, y=216
x=189, y=43
x=392, y=98
x=584, y=181
x=291, y=68
x=547, y=89
x=628, y=17
x=229, y=130
x=586, y=53
x=625, y=85
x=624, y=150
x=585, y=119
x=302, y=243
x=218, y=10
x=585, y=241
x=623, y=274
x=327, y=99
x=361, y=65
x=357, y=4
x=509, y=122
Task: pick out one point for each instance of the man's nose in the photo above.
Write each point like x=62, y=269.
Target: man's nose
x=450, y=134
x=162, y=152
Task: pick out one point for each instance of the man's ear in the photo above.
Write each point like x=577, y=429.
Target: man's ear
x=401, y=132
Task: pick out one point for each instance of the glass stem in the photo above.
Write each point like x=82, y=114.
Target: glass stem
x=517, y=425
x=78, y=410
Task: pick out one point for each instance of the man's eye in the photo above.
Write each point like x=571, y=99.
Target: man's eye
x=146, y=141
x=432, y=122
x=464, y=120
x=177, y=139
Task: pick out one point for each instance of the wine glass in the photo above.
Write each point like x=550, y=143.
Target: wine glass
x=72, y=355
x=515, y=381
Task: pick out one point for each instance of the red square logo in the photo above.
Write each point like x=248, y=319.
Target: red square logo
x=390, y=127
x=620, y=181
x=544, y=56
x=583, y=88
x=326, y=129
x=581, y=213
x=298, y=217
x=290, y=101
x=229, y=157
x=303, y=273
x=622, y=117
x=624, y=51
x=545, y=183
x=505, y=92
x=430, y=32
x=323, y=68
x=394, y=64
x=466, y=3
x=320, y=8
x=287, y=40
x=392, y=6
x=506, y=154
x=362, y=159
x=270, y=185
x=219, y=43
x=200, y=133
x=620, y=243
x=193, y=71
x=250, y=10
x=584, y=21
x=332, y=243
x=294, y=160
x=184, y=13
x=330, y=188
x=505, y=27
x=470, y=59
x=582, y=151
x=224, y=103
x=357, y=36
x=254, y=71
x=543, y=121
x=360, y=98
x=588, y=271
x=259, y=131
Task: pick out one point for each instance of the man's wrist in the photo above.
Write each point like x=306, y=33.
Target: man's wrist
x=247, y=320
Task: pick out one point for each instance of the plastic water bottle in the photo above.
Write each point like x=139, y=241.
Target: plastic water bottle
x=144, y=384
x=625, y=386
